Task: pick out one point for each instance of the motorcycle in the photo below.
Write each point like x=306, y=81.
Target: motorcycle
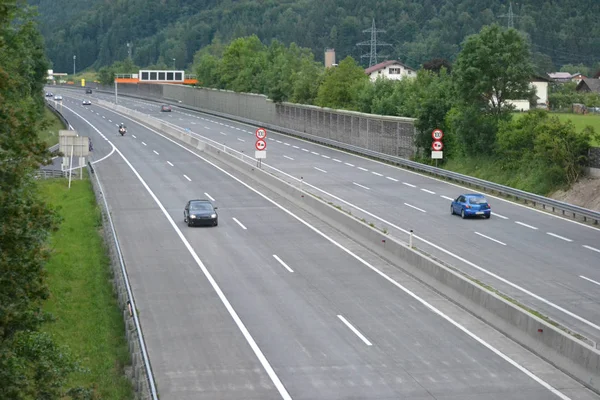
x=122, y=131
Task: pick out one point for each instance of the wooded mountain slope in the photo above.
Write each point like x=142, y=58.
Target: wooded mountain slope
x=561, y=32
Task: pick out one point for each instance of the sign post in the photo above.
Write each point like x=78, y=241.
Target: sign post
x=261, y=146
x=437, y=145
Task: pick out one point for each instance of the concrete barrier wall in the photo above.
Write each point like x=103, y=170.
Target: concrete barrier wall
x=561, y=349
x=566, y=352
x=384, y=134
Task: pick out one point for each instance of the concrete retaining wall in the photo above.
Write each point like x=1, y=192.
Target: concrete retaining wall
x=384, y=134
x=571, y=355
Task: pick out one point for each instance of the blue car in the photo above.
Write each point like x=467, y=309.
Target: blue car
x=471, y=205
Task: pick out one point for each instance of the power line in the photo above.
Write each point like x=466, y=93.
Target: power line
x=372, y=44
x=510, y=16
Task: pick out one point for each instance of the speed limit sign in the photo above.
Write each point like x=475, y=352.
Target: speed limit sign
x=437, y=134
x=261, y=133
x=437, y=146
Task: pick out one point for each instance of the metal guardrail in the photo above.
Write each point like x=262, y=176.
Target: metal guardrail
x=59, y=115
x=534, y=199
x=49, y=173
x=131, y=302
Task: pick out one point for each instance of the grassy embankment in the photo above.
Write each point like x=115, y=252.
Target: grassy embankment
x=88, y=319
x=527, y=178
x=50, y=135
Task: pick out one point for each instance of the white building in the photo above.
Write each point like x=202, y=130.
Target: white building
x=541, y=92
x=391, y=69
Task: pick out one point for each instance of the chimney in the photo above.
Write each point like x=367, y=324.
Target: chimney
x=329, y=58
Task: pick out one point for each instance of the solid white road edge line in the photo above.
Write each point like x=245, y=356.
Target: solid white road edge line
x=98, y=132
x=239, y=223
x=374, y=269
x=259, y=354
x=489, y=238
x=420, y=175
x=353, y=329
x=429, y=243
x=437, y=247
x=282, y=263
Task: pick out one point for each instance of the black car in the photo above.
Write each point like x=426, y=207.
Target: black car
x=200, y=212
x=49, y=94
x=88, y=91
x=165, y=108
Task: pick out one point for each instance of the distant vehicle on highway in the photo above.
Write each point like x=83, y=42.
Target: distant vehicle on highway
x=165, y=108
x=88, y=91
x=86, y=103
x=49, y=94
x=58, y=97
x=200, y=212
x=471, y=205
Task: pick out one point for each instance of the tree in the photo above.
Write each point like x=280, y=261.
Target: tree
x=341, y=85
x=435, y=101
x=106, y=76
x=437, y=64
x=242, y=65
x=494, y=66
x=31, y=365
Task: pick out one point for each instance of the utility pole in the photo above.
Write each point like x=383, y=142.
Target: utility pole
x=510, y=16
x=372, y=44
x=129, y=50
x=74, y=58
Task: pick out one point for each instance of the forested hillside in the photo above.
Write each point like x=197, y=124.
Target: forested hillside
x=561, y=32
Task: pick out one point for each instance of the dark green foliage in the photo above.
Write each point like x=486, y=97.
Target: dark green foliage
x=31, y=366
x=550, y=149
x=493, y=66
x=341, y=84
x=561, y=33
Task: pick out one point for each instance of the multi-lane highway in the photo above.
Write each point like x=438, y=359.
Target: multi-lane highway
x=274, y=304
x=544, y=261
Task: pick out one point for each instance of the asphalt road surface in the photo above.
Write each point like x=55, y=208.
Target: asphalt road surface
x=271, y=304
x=544, y=261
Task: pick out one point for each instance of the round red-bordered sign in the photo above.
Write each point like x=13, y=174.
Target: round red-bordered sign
x=437, y=134
x=261, y=145
x=261, y=133
x=437, y=146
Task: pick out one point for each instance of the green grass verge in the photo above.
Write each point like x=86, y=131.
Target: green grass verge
x=580, y=122
x=88, y=319
x=528, y=178
x=50, y=134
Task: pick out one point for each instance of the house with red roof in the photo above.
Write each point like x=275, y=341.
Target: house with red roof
x=390, y=69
